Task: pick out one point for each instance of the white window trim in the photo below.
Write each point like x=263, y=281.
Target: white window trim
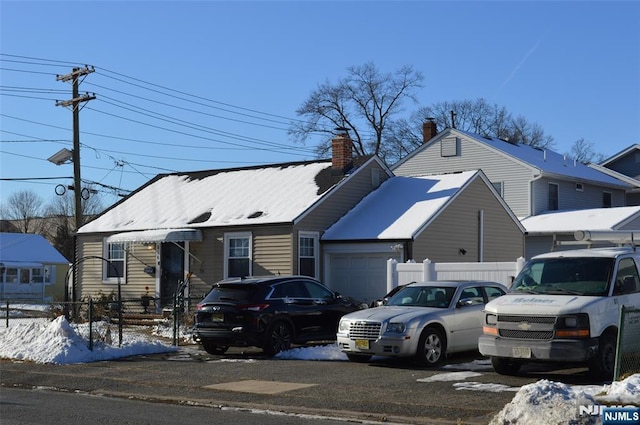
x=105, y=264
x=316, y=250
x=237, y=235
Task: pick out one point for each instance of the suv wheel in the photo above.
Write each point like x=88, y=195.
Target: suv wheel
x=278, y=338
x=431, y=348
x=212, y=348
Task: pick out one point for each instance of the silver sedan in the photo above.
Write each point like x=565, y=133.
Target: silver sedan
x=424, y=320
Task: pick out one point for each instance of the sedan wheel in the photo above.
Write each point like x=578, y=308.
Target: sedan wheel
x=431, y=348
x=279, y=338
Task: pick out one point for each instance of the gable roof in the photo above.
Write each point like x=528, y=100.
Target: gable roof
x=401, y=207
x=545, y=161
x=278, y=193
x=620, y=154
x=23, y=249
x=572, y=221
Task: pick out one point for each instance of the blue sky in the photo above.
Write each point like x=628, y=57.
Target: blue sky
x=183, y=86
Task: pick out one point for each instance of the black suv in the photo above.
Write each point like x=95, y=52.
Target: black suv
x=268, y=312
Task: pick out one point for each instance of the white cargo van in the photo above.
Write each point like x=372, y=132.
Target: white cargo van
x=565, y=306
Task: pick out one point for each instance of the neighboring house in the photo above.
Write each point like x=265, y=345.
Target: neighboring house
x=31, y=269
x=209, y=225
x=555, y=231
x=625, y=166
x=531, y=180
x=456, y=217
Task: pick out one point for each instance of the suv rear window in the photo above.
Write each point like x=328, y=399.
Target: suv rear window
x=235, y=293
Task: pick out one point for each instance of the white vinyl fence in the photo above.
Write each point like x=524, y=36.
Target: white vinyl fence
x=403, y=273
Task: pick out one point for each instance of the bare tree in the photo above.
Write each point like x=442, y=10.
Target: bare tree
x=583, y=151
x=61, y=219
x=364, y=103
x=475, y=116
x=24, y=209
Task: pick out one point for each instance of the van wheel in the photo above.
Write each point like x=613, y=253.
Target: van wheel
x=431, y=347
x=278, y=338
x=505, y=366
x=603, y=364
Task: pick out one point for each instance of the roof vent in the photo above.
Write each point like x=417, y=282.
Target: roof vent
x=256, y=214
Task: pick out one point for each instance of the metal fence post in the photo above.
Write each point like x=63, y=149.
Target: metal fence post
x=90, y=324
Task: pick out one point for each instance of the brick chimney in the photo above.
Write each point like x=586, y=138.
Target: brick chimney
x=342, y=152
x=429, y=130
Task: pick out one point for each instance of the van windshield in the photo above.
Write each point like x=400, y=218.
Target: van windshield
x=566, y=276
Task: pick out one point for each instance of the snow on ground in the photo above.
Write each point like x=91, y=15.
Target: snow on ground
x=546, y=402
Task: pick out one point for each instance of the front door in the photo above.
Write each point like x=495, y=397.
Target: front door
x=172, y=266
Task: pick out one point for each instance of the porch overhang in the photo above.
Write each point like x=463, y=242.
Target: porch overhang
x=157, y=235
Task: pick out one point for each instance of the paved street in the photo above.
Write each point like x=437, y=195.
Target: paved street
x=383, y=390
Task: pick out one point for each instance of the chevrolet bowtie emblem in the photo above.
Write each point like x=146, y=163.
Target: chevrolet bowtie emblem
x=525, y=326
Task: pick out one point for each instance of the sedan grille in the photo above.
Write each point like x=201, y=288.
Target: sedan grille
x=364, y=330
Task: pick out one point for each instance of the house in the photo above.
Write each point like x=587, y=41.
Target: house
x=457, y=217
x=31, y=269
x=531, y=180
x=625, y=166
x=555, y=231
x=210, y=225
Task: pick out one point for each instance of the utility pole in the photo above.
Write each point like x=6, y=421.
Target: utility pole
x=75, y=102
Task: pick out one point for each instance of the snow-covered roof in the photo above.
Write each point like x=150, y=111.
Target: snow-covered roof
x=398, y=208
x=28, y=250
x=571, y=221
x=245, y=196
x=547, y=161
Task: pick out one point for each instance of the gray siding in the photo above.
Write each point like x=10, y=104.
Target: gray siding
x=629, y=165
x=632, y=225
x=457, y=227
x=571, y=199
x=472, y=156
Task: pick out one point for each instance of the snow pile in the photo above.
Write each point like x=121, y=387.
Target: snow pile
x=60, y=342
x=553, y=403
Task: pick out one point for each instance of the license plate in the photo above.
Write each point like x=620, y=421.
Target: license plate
x=362, y=344
x=522, y=352
x=217, y=317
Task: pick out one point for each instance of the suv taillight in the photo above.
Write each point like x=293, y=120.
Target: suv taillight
x=252, y=307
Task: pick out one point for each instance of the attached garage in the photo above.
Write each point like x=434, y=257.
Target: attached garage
x=362, y=276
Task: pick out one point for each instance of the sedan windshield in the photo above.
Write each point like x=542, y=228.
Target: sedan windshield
x=423, y=296
x=565, y=276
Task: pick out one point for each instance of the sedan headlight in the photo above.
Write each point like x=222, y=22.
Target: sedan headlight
x=343, y=326
x=396, y=327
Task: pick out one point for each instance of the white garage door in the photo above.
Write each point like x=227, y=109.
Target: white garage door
x=361, y=276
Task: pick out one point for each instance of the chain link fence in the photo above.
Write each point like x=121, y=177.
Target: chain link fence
x=106, y=319
x=628, y=352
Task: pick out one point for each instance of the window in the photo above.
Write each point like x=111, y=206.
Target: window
x=499, y=187
x=116, y=255
x=308, y=254
x=553, y=196
x=627, y=279
x=493, y=292
x=579, y=187
x=606, y=199
x=449, y=147
x=11, y=275
x=237, y=254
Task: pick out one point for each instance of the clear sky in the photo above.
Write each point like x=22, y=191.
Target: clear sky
x=184, y=86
